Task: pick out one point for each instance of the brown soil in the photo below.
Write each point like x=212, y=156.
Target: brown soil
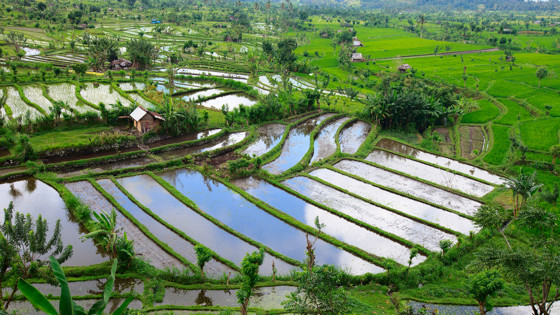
x=472, y=138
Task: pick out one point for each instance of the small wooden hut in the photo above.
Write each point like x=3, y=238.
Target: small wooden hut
x=145, y=120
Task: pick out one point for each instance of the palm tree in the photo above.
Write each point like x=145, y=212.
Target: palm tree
x=421, y=20
x=522, y=187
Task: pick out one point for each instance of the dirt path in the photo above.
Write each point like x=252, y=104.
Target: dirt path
x=464, y=52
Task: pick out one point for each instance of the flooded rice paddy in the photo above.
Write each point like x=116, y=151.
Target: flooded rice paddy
x=325, y=144
x=141, y=101
x=103, y=93
x=34, y=93
x=161, y=232
x=230, y=139
x=409, y=186
x=429, y=173
x=295, y=146
x=264, y=298
x=185, y=138
x=400, y=226
x=269, y=136
x=93, y=287
x=231, y=101
x=17, y=105
x=352, y=137
x=202, y=94
x=143, y=245
x=471, y=170
x=66, y=93
x=150, y=194
x=335, y=226
x=246, y=218
x=389, y=199
x=37, y=198
x=131, y=86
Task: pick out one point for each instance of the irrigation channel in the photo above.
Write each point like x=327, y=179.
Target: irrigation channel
x=375, y=204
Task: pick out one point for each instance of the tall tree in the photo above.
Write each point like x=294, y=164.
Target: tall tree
x=483, y=285
x=250, y=274
x=203, y=255
x=522, y=187
x=541, y=73
x=140, y=52
x=16, y=40
x=80, y=69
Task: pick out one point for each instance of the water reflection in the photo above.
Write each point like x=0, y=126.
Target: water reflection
x=230, y=139
x=37, y=198
x=269, y=136
x=295, y=146
x=325, y=144
x=241, y=215
x=351, y=138
x=335, y=226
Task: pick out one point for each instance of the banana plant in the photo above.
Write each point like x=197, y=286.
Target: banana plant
x=67, y=305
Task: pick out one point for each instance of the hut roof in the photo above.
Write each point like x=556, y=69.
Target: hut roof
x=405, y=66
x=140, y=112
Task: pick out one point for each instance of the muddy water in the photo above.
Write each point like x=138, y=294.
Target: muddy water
x=269, y=136
x=335, y=226
x=231, y=139
x=143, y=246
x=441, y=161
x=325, y=144
x=296, y=145
x=398, y=202
x=263, y=298
x=241, y=215
x=189, y=137
x=231, y=100
x=163, y=204
x=429, y=173
x=408, y=229
x=409, y=186
x=351, y=138
x=37, y=198
x=165, y=235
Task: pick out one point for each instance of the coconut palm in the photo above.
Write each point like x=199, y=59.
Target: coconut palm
x=522, y=187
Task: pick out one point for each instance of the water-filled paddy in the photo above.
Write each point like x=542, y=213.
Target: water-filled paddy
x=202, y=94
x=103, y=93
x=141, y=101
x=246, y=218
x=263, y=298
x=269, y=136
x=66, y=93
x=406, y=228
x=440, y=160
x=409, y=186
x=295, y=146
x=352, y=137
x=37, y=198
x=164, y=234
x=34, y=93
x=325, y=144
x=188, y=137
x=230, y=139
x=130, y=86
x=231, y=101
x=335, y=226
x=143, y=245
x=406, y=205
x=17, y=105
x=92, y=287
x=149, y=193
x=429, y=173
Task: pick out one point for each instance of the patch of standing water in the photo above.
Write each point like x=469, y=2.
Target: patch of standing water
x=31, y=51
x=130, y=86
x=185, y=138
x=325, y=144
x=202, y=94
x=143, y=245
x=103, y=93
x=37, y=198
x=66, y=93
x=231, y=101
x=351, y=138
x=263, y=298
x=149, y=193
x=295, y=146
x=474, y=171
x=231, y=139
x=335, y=226
x=34, y=93
x=181, y=246
x=93, y=287
x=269, y=136
x=412, y=207
x=409, y=186
x=186, y=71
x=429, y=173
x=233, y=210
x=408, y=229
x=141, y=101
x=472, y=310
x=18, y=106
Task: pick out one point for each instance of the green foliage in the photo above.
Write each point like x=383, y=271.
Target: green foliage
x=250, y=274
x=67, y=305
x=445, y=245
x=141, y=53
x=203, y=255
x=483, y=285
x=319, y=291
x=492, y=217
x=522, y=187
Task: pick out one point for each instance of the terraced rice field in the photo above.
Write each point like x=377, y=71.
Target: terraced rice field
x=17, y=105
x=103, y=93
x=66, y=93
x=34, y=93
